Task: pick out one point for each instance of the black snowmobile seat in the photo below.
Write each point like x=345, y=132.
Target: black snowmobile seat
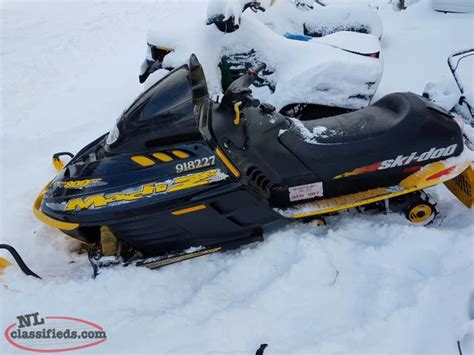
x=367, y=123
x=354, y=139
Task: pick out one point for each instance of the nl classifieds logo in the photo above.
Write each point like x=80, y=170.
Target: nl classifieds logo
x=34, y=333
x=403, y=160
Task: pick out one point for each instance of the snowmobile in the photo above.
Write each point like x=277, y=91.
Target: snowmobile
x=297, y=65
x=318, y=19
x=458, y=100
x=181, y=176
x=308, y=17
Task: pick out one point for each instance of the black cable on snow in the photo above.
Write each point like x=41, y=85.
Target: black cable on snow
x=26, y=270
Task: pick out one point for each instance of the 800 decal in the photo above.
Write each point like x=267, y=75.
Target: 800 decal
x=196, y=164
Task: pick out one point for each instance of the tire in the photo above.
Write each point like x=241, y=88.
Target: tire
x=421, y=213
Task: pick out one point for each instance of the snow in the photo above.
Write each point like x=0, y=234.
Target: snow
x=443, y=94
x=284, y=16
x=299, y=68
x=365, y=284
x=352, y=41
x=308, y=136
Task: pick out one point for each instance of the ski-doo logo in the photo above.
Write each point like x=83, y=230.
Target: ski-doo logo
x=148, y=190
x=403, y=160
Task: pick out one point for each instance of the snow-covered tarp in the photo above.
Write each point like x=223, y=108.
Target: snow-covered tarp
x=319, y=20
x=314, y=72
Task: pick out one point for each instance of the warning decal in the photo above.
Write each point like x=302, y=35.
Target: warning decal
x=306, y=192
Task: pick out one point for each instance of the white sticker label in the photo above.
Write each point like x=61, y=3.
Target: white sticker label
x=305, y=192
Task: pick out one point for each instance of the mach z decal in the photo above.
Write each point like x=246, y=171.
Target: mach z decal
x=402, y=160
x=148, y=190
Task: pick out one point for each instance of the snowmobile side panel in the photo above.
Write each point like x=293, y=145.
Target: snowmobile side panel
x=462, y=186
x=431, y=175
x=208, y=221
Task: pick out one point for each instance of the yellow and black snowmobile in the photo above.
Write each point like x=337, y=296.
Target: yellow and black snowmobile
x=180, y=176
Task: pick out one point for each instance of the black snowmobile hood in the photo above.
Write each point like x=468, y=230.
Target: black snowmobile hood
x=161, y=116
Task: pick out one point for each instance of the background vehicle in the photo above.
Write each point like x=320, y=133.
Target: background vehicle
x=343, y=74
x=460, y=6
x=457, y=98
x=318, y=19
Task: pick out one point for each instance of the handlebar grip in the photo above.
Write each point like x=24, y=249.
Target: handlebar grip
x=254, y=6
x=258, y=69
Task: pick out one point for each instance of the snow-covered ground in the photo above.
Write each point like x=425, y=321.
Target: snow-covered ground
x=363, y=285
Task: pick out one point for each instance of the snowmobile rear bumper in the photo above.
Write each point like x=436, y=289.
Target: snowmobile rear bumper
x=462, y=186
x=66, y=226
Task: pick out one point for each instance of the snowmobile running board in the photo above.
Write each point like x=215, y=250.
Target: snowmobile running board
x=4, y=263
x=98, y=262
x=157, y=262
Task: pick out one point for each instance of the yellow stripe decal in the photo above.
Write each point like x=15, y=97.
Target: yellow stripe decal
x=227, y=163
x=188, y=210
x=180, y=154
x=163, y=157
x=142, y=160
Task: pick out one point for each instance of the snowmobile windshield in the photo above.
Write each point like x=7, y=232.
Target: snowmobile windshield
x=162, y=115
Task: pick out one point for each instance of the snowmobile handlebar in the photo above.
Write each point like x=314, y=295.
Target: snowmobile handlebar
x=239, y=90
x=454, y=60
x=257, y=70
x=255, y=6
